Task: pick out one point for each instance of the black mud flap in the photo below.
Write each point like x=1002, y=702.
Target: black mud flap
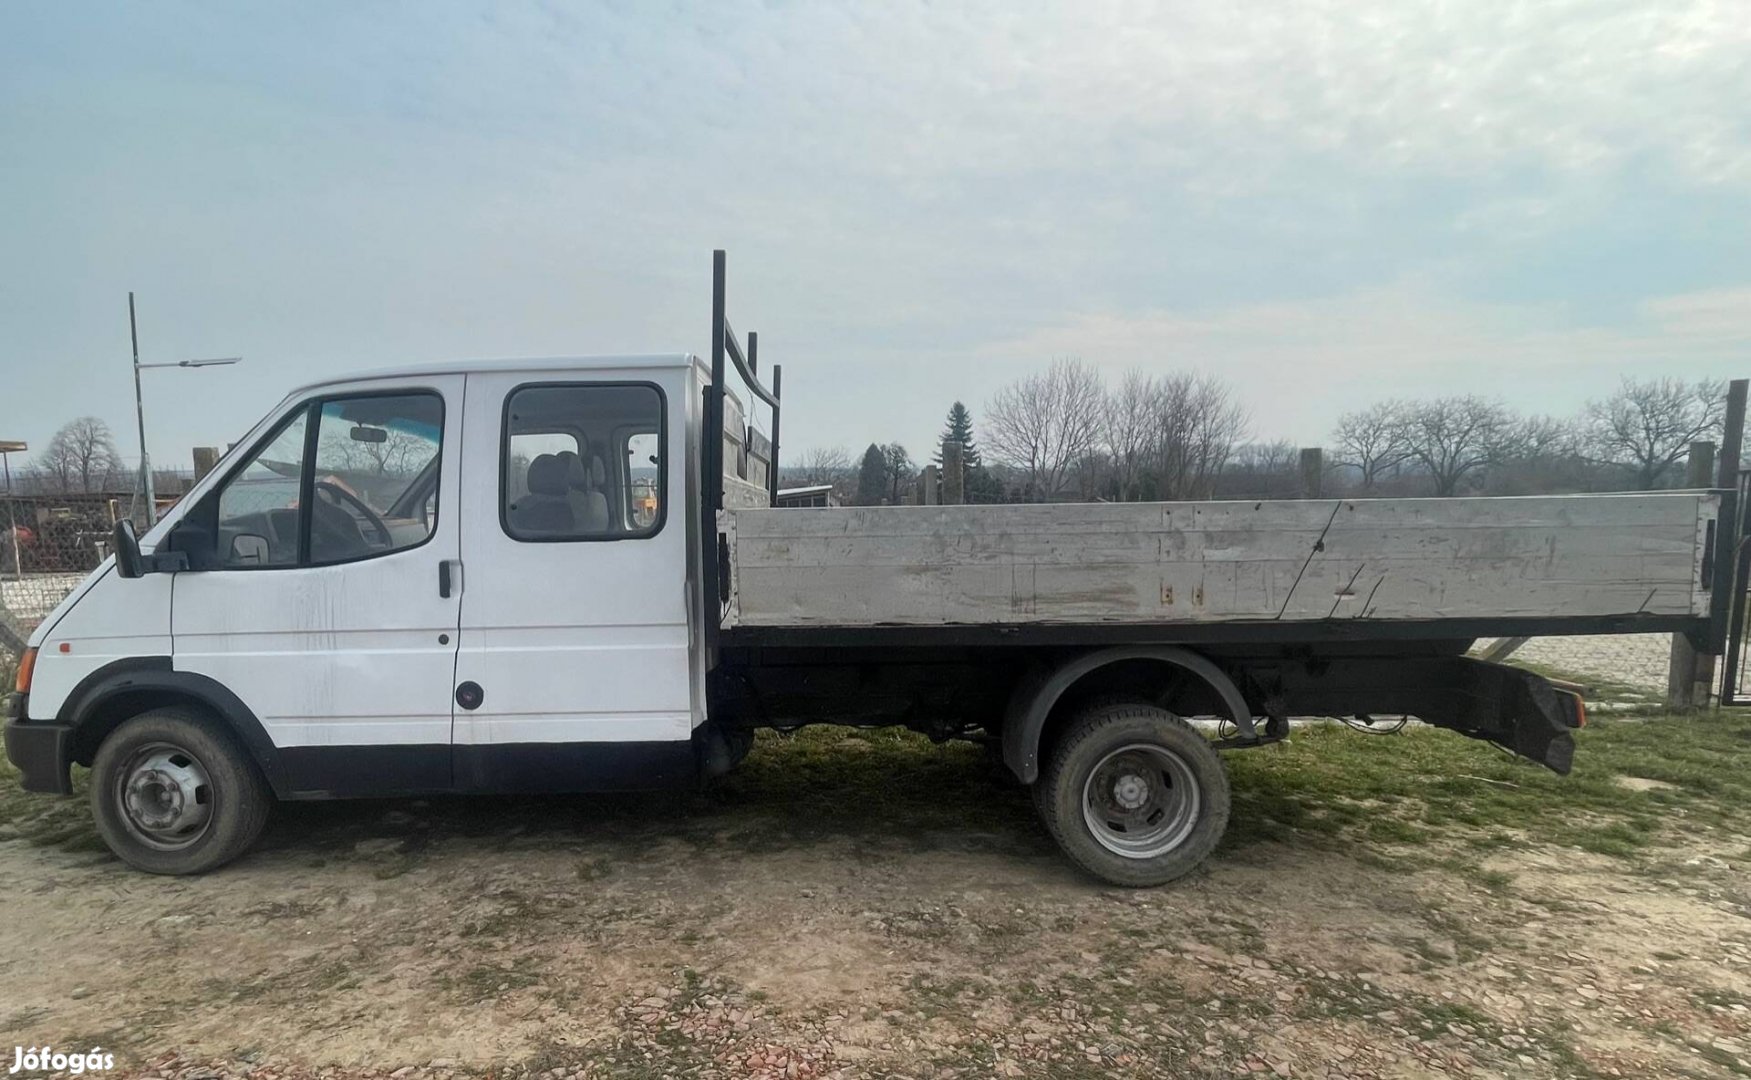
x=1511, y=707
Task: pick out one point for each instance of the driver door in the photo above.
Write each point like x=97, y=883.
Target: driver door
x=327, y=604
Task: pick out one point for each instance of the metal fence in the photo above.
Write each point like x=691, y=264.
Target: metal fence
x=48, y=543
x=1621, y=672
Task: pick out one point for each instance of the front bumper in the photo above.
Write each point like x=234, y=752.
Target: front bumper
x=40, y=751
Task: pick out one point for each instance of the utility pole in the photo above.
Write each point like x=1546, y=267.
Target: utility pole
x=140, y=419
x=140, y=408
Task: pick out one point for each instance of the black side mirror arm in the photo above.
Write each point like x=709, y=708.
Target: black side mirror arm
x=131, y=564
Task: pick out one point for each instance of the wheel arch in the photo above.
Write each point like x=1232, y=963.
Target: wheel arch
x=125, y=688
x=1035, y=697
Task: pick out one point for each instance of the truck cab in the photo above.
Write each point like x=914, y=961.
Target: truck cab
x=467, y=578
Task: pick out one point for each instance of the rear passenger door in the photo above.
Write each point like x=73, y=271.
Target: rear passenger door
x=573, y=668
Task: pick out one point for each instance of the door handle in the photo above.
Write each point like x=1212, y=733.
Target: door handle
x=445, y=578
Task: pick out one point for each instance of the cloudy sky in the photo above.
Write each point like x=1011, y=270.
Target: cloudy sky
x=1323, y=202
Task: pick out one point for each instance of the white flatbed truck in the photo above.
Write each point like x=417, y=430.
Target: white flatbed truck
x=561, y=575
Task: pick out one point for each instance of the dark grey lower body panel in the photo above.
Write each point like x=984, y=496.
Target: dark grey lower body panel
x=344, y=772
x=542, y=768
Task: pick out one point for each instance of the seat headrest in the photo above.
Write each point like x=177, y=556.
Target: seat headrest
x=577, y=477
x=547, y=475
x=598, y=472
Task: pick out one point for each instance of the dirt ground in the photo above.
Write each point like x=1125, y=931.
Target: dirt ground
x=867, y=904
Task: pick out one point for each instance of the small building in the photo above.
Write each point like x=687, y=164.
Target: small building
x=813, y=495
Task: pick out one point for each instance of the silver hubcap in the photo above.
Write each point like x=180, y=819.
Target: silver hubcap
x=165, y=796
x=1141, y=801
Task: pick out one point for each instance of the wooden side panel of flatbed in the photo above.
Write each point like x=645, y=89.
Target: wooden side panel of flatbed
x=1570, y=556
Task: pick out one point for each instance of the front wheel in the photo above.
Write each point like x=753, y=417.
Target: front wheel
x=173, y=793
x=1134, y=795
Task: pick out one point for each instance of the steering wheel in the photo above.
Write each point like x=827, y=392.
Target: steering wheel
x=341, y=494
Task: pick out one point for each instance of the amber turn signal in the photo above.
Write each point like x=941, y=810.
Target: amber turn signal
x=26, y=666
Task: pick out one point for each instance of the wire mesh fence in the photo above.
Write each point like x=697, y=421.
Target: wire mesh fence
x=48, y=543
x=1622, y=672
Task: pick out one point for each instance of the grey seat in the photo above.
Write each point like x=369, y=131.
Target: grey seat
x=545, y=510
x=589, y=504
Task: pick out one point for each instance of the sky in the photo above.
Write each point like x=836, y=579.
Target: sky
x=1324, y=203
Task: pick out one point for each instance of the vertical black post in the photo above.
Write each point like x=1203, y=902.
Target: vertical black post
x=714, y=412
x=711, y=484
x=777, y=395
x=753, y=353
x=1725, y=607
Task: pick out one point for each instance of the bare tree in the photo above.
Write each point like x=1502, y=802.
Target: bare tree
x=825, y=464
x=1046, y=422
x=822, y=465
x=81, y=456
x=1372, y=440
x=1267, y=458
x=398, y=454
x=1130, y=421
x=1455, y=438
x=1647, y=426
x=1539, y=455
x=1198, y=423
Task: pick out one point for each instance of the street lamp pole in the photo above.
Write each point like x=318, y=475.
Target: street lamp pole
x=140, y=408
x=140, y=419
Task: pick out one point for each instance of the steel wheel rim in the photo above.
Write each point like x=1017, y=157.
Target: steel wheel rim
x=165, y=796
x=1141, y=801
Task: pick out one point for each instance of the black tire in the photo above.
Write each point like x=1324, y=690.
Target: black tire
x=1179, y=771
x=172, y=768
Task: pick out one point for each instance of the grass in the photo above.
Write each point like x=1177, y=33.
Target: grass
x=1329, y=786
x=1425, y=795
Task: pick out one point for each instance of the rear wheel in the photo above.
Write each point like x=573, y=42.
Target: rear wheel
x=1133, y=794
x=173, y=793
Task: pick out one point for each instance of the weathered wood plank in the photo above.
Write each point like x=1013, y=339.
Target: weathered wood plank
x=1221, y=561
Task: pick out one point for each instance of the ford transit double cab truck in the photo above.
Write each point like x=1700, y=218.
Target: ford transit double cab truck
x=566, y=575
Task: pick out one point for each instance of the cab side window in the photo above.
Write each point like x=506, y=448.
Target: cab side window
x=258, y=506
x=583, y=461
x=363, y=483
x=371, y=452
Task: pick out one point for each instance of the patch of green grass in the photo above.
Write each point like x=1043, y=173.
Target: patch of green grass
x=1708, y=995
x=485, y=982
x=1426, y=785
x=55, y=821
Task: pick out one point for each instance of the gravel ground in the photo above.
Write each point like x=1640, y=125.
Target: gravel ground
x=870, y=905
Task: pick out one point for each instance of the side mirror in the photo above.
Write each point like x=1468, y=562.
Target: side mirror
x=247, y=549
x=129, y=563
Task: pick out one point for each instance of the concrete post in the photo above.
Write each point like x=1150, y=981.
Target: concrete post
x=205, y=458
x=954, y=474
x=927, y=490
x=1690, y=673
x=1312, y=472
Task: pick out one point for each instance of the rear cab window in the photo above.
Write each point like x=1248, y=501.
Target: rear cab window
x=583, y=461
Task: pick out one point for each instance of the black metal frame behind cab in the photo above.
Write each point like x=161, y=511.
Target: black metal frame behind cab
x=714, y=569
